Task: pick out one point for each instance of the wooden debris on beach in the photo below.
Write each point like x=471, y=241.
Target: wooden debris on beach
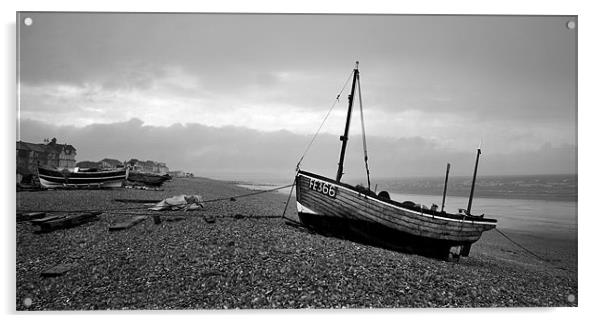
x=30, y=216
x=174, y=218
x=57, y=270
x=156, y=219
x=46, y=219
x=128, y=224
x=65, y=221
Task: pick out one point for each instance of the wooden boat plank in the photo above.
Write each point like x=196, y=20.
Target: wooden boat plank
x=426, y=220
x=127, y=224
x=362, y=201
x=352, y=209
x=303, y=181
x=397, y=217
x=405, y=227
x=422, y=233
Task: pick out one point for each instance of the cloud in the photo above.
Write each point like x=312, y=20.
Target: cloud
x=452, y=81
x=502, y=67
x=241, y=152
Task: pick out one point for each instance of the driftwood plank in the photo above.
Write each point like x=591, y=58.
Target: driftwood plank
x=30, y=216
x=48, y=218
x=58, y=270
x=127, y=224
x=69, y=221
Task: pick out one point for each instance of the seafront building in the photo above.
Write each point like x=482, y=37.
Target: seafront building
x=50, y=154
x=107, y=163
x=149, y=166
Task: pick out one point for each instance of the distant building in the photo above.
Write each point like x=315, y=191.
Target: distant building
x=110, y=163
x=51, y=154
x=179, y=173
x=162, y=168
x=106, y=163
x=149, y=166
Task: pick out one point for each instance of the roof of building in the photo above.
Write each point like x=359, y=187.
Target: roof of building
x=60, y=147
x=22, y=145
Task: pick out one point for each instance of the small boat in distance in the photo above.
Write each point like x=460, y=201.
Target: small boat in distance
x=146, y=178
x=81, y=177
x=357, y=213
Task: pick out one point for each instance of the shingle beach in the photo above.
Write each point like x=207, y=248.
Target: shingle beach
x=250, y=258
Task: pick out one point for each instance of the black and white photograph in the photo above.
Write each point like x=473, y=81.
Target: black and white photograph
x=261, y=161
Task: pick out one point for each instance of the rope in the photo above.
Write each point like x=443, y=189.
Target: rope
x=289, y=197
x=529, y=251
x=146, y=207
x=323, y=121
x=359, y=92
x=336, y=100
x=248, y=194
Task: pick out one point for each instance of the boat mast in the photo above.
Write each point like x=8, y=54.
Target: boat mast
x=474, y=177
x=344, y=137
x=445, y=188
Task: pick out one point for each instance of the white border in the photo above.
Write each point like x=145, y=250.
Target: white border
x=589, y=26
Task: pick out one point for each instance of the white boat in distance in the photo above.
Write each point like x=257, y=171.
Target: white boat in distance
x=81, y=178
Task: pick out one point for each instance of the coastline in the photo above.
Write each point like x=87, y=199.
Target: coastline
x=259, y=262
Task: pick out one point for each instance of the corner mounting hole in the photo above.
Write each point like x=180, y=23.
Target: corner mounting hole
x=571, y=24
x=28, y=21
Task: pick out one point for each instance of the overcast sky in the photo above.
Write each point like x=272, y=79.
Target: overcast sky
x=244, y=93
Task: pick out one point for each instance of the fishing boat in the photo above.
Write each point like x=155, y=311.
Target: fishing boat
x=332, y=207
x=146, y=178
x=81, y=177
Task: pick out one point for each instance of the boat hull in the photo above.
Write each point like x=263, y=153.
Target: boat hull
x=147, y=178
x=342, y=210
x=50, y=178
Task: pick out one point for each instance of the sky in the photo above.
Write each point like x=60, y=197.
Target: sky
x=236, y=94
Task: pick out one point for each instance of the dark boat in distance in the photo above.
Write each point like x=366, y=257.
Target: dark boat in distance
x=81, y=178
x=146, y=178
x=332, y=207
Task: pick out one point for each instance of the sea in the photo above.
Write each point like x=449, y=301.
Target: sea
x=534, y=204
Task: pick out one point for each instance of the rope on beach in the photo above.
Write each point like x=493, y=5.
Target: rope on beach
x=522, y=247
x=146, y=207
x=531, y=252
x=248, y=194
